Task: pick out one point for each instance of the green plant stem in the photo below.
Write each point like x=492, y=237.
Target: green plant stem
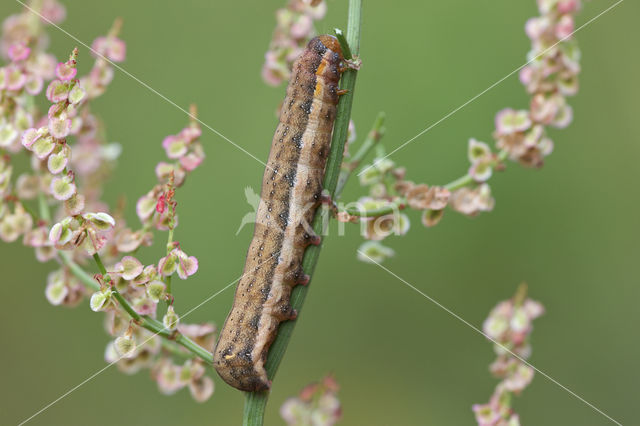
x=77, y=270
x=468, y=179
x=393, y=206
x=400, y=203
x=167, y=280
x=101, y=268
x=175, y=349
x=44, y=207
x=255, y=402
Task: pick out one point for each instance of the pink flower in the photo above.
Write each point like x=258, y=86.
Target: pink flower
x=187, y=265
x=111, y=47
x=564, y=117
x=129, y=268
x=145, y=206
x=167, y=376
x=57, y=162
x=60, y=127
x=34, y=84
x=100, y=221
x=76, y=95
x=518, y=378
x=478, y=151
x=544, y=109
x=29, y=137
x=15, y=78
x=568, y=6
x=15, y=224
x=57, y=91
x=37, y=237
x=167, y=265
x=526, y=75
x=535, y=27
x=533, y=309
x=302, y=27
x=101, y=75
x=42, y=65
x=190, y=162
x=175, y=146
x=201, y=388
x=145, y=306
x=191, y=133
x=486, y=415
x=317, y=403
x=63, y=188
x=62, y=232
x=56, y=290
x=481, y=171
x=178, y=260
x=472, y=201
x=423, y=197
x=43, y=146
x=66, y=71
x=53, y=11
x=18, y=52
x=75, y=205
x=565, y=27
x=164, y=171
x=509, y=121
x=274, y=69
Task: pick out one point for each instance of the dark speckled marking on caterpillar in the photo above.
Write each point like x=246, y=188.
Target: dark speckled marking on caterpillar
x=291, y=189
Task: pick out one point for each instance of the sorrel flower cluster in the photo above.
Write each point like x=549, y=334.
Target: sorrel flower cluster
x=551, y=76
x=509, y=324
x=293, y=30
x=156, y=208
x=23, y=44
x=520, y=135
x=70, y=160
x=317, y=405
x=143, y=287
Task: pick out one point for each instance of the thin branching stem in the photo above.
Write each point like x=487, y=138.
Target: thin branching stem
x=400, y=202
x=144, y=321
x=153, y=325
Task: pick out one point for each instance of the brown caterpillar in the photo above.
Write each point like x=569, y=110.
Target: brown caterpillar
x=290, y=196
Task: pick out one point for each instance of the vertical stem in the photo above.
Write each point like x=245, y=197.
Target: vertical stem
x=172, y=226
x=167, y=281
x=101, y=268
x=255, y=402
x=254, y=408
x=45, y=214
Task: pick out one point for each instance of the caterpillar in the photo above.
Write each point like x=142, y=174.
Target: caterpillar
x=290, y=195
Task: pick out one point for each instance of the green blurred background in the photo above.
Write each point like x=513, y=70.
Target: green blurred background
x=570, y=230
